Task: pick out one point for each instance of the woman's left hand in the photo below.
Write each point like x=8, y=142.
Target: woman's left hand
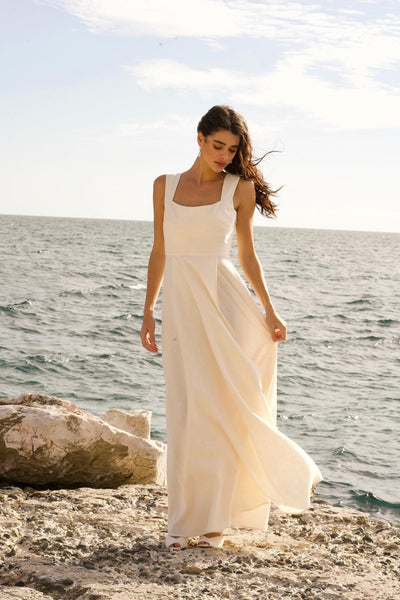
x=277, y=327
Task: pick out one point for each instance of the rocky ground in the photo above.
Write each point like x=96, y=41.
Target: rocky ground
x=108, y=544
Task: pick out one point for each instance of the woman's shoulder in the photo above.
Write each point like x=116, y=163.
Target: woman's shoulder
x=245, y=186
x=160, y=187
x=160, y=180
x=245, y=193
x=242, y=182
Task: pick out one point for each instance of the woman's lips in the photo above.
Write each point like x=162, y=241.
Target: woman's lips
x=220, y=164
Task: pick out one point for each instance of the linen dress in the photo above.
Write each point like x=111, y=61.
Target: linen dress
x=226, y=459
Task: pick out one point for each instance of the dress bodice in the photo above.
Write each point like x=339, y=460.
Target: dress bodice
x=199, y=230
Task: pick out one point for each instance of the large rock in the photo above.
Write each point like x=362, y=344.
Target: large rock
x=135, y=421
x=47, y=441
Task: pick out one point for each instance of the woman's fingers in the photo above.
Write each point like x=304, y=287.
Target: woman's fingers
x=279, y=335
x=277, y=327
x=147, y=333
x=148, y=341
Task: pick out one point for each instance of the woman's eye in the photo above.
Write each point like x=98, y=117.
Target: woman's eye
x=220, y=148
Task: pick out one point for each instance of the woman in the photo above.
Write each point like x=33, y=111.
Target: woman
x=226, y=459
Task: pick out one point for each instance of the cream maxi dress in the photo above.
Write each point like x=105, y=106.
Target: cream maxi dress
x=226, y=459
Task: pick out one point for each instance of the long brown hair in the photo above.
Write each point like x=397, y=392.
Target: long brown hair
x=243, y=164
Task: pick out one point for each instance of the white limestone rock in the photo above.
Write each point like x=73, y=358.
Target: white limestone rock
x=137, y=422
x=45, y=440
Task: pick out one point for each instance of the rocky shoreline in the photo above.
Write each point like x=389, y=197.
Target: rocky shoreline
x=98, y=544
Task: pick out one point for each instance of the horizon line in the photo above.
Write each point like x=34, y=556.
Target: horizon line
x=151, y=221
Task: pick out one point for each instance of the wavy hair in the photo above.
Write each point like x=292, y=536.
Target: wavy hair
x=243, y=163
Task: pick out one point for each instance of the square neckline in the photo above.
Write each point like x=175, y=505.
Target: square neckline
x=198, y=205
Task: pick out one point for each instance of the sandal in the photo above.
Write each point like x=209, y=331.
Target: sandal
x=182, y=541
x=211, y=542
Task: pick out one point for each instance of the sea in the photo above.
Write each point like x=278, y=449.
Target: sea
x=71, y=299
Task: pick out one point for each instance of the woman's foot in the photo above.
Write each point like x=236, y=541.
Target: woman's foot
x=215, y=539
x=175, y=542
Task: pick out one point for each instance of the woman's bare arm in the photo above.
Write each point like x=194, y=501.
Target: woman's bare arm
x=245, y=202
x=155, y=271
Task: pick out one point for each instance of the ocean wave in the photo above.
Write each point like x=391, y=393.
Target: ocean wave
x=28, y=368
x=100, y=289
x=80, y=293
x=370, y=499
x=343, y=451
x=342, y=317
x=387, y=322
x=136, y=286
x=12, y=307
x=7, y=308
x=113, y=286
x=359, y=301
x=23, y=329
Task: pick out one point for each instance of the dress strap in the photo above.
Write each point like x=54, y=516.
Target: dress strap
x=171, y=183
x=230, y=184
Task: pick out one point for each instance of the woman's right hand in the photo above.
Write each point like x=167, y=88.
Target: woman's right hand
x=277, y=327
x=147, y=333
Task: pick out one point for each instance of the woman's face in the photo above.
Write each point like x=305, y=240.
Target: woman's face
x=219, y=148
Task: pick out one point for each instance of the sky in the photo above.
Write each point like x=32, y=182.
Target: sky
x=99, y=97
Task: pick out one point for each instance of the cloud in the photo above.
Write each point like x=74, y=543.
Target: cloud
x=288, y=22
x=164, y=73
x=189, y=18
x=329, y=58
x=287, y=85
x=357, y=44
x=163, y=128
